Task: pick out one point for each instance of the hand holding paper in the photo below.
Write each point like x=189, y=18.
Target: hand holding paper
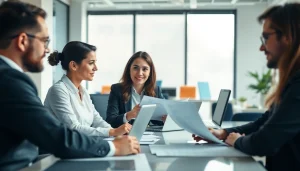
x=160, y=110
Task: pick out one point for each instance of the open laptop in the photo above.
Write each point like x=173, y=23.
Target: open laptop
x=170, y=125
x=142, y=120
x=221, y=105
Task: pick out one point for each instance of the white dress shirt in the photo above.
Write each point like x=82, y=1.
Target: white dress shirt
x=11, y=63
x=135, y=100
x=64, y=102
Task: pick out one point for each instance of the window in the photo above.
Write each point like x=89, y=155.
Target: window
x=211, y=51
x=113, y=37
x=162, y=36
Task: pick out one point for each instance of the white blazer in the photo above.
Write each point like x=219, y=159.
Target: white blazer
x=64, y=102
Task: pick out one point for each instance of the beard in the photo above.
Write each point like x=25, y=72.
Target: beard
x=272, y=64
x=31, y=64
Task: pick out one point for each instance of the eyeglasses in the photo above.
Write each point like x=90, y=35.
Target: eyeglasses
x=265, y=36
x=45, y=40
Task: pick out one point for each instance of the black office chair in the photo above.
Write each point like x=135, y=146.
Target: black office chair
x=100, y=102
x=228, y=113
x=250, y=116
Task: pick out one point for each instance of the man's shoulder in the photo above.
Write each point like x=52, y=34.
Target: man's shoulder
x=13, y=74
x=12, y=78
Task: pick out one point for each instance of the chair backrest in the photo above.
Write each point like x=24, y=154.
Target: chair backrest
x=251, y=116
x=204, y=91
x=187, y=92
x=105, y=89
x=170, y=91
x=228, y=113
x=166, y=95
x=100, y=102
x=158, y=83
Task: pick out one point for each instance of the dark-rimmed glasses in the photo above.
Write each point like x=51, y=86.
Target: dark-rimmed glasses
x=265, y=36
x=45, y=40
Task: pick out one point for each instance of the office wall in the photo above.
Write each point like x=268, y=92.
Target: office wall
x=248, y=56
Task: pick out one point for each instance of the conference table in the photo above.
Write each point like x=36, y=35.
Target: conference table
x=178, y=163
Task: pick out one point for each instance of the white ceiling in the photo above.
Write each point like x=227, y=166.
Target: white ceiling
x=168, y=4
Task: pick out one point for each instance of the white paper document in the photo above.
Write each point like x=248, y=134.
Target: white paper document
x=186, y=115
x=148, y=133
x=148, y=142
x=200, y=150
x=160, y=109
x=145, y=140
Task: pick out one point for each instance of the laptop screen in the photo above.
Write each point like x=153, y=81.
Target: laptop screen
x=221, y=106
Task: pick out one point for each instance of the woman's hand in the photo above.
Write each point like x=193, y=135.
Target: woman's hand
x=133, y=113
x=121, y=130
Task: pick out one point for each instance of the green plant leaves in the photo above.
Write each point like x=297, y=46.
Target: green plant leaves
x=263, y=82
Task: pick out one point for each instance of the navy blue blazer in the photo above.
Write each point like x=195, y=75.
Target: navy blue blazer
x=26, y=124
x=117, y=107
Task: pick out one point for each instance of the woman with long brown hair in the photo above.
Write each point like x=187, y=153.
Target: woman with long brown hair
x=276, y=134
x=139, y=78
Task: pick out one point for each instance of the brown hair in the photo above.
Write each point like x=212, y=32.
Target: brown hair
x=126, y=81
x=16, y=17
x=73, y=51
x=286, y=21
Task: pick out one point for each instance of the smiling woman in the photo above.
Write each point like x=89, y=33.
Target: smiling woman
x=69, y=101
x=139, y=79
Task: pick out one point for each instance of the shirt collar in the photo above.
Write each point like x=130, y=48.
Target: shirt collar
x=69, y=84
x=134, y=91
x=11, y=63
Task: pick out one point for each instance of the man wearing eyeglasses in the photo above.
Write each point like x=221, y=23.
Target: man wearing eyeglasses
x=276, y=134
x=25, y=124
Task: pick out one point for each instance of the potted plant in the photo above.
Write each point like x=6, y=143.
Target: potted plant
x=242, y=101
x=262, y=85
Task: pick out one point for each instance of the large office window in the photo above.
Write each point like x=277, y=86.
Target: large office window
x=113, y=36
x=162, y=36
x=185, y=47
x=211, y=50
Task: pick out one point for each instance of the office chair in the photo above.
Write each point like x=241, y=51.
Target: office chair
x=228, y=113
x=100, y=102
x=105, y=89
x=204, y=91
x=158, y=83
x=187, y=92
x=251, y=116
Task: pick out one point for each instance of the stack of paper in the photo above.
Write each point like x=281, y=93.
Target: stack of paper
x=145, y=140
x=190, y=150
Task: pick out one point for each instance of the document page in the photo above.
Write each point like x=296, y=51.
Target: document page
x=160, y=109
x=198, y=150
x=185, y=115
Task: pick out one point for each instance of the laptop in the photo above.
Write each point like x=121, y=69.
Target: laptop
x=221, y=105
x=142, y=120
x=170, y=125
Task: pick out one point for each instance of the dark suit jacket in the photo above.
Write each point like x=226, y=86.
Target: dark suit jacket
x=26, y=124
x=276, y=134
x=117, y=107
